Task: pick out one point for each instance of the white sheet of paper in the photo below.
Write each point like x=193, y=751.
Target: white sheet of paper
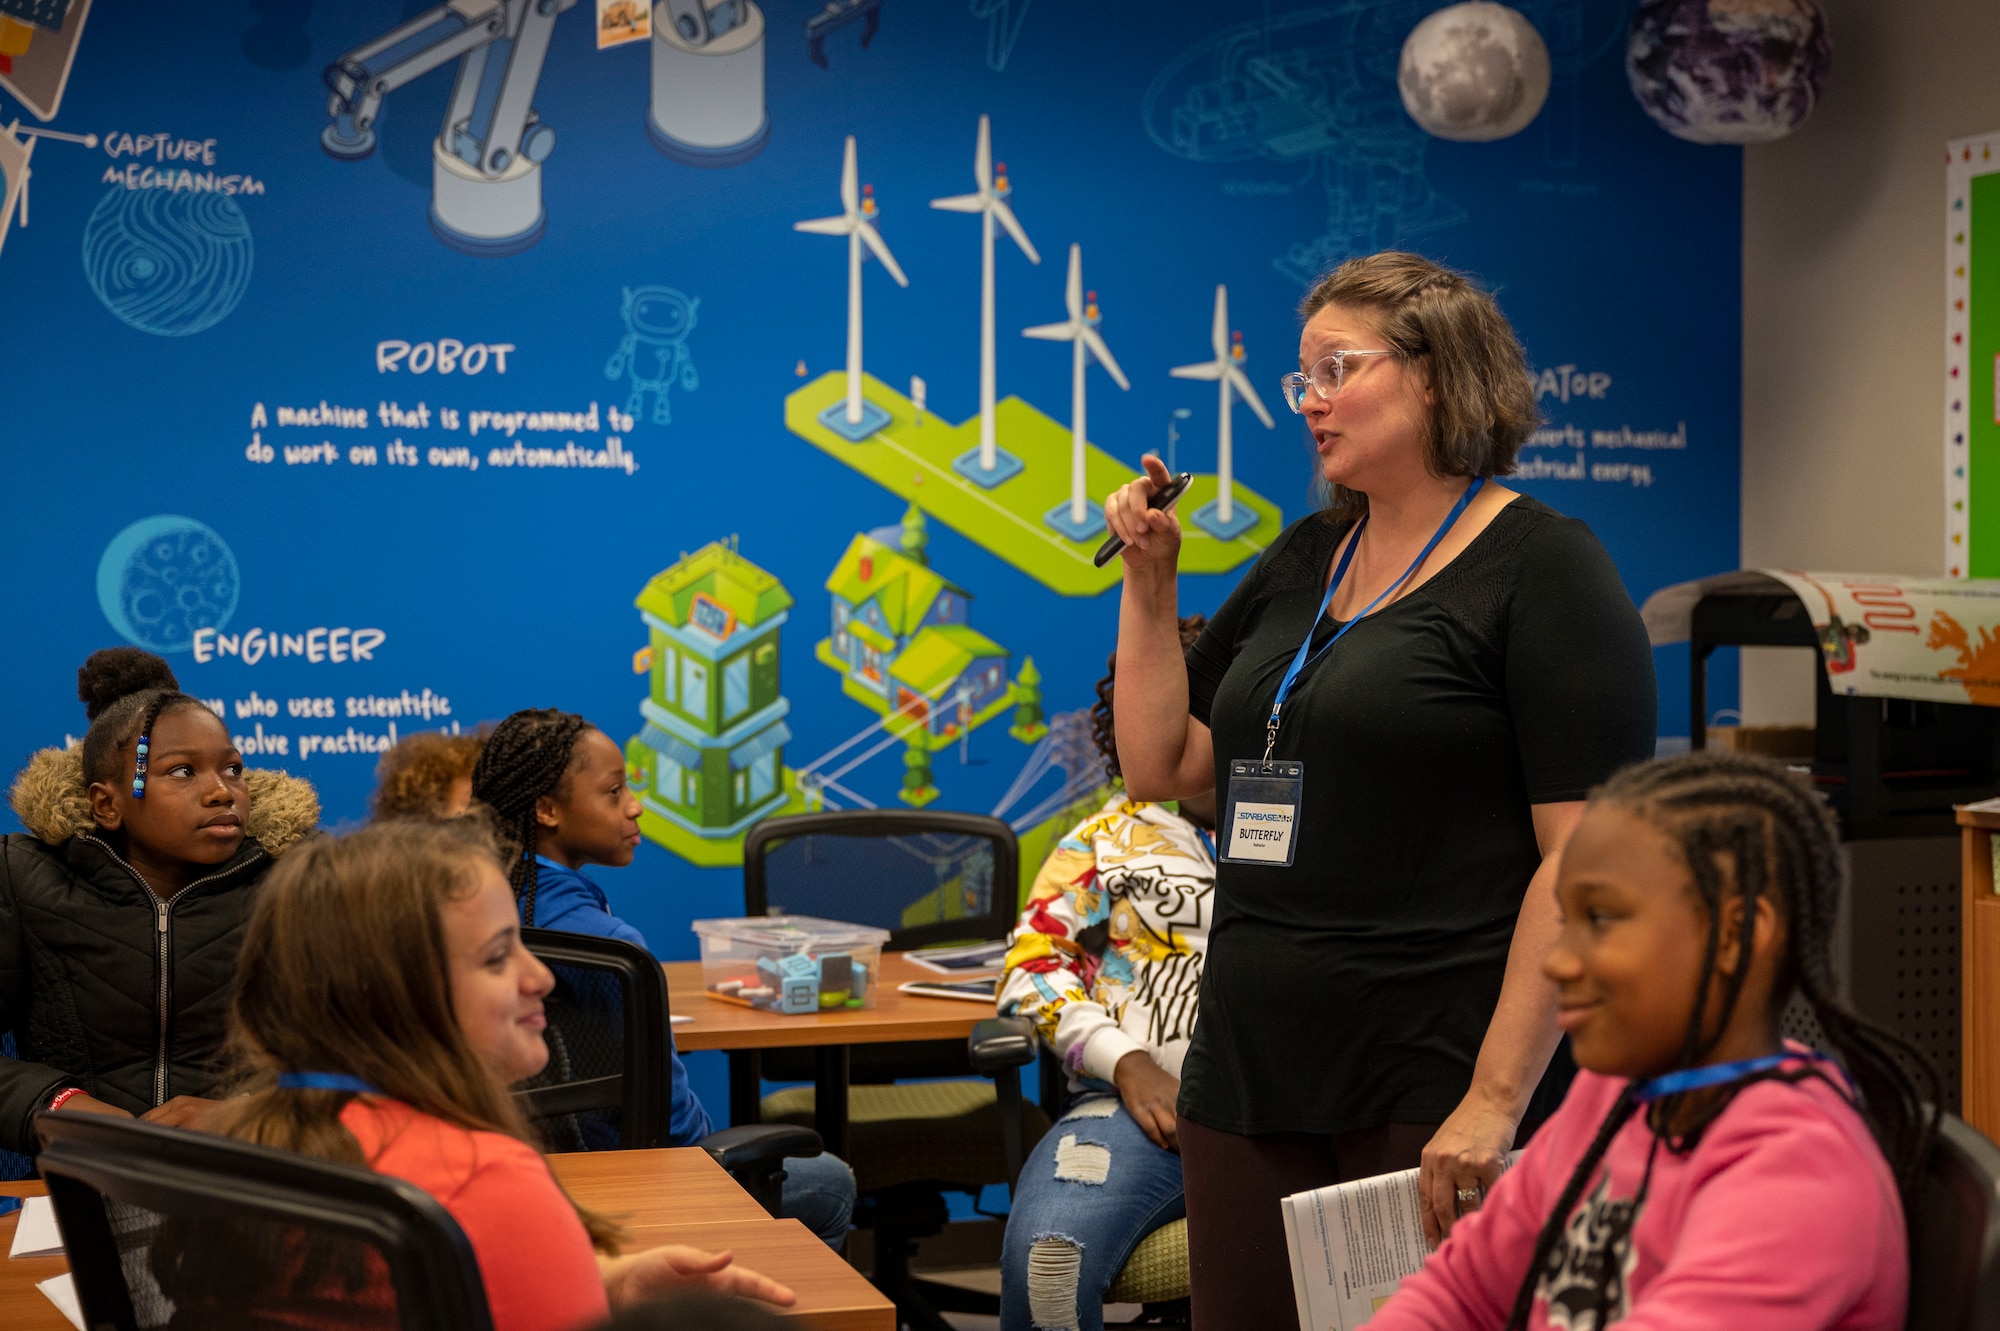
x=61, y=1291
x=37, y=1235
x=1352, y=1244
x=679, y=1020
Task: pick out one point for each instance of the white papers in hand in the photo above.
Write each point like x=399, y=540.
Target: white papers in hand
x=36, y=1235
x=61, y=1291
x=1352, y=1244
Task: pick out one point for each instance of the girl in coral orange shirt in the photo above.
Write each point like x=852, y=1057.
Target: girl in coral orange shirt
x=384, y=1004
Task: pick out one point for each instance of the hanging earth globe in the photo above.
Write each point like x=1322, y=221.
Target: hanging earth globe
x=1728, y=71
x=1474, y=72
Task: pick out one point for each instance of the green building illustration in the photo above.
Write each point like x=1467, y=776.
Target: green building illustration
x=904, y=650
x=902, y=646
x=710, y=760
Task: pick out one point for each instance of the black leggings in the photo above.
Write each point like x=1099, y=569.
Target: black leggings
x=1241, y=1272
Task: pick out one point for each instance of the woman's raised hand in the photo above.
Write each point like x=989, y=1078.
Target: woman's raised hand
x=1152, y=536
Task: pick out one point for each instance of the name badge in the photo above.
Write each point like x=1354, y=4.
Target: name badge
x=1263, y=811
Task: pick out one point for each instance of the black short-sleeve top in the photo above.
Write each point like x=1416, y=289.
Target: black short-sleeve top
x=1353, y=988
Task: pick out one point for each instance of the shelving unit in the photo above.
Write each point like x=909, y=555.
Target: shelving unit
x=1980, y=930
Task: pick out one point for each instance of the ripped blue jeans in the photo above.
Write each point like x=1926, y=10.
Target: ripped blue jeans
x=1090, y=1190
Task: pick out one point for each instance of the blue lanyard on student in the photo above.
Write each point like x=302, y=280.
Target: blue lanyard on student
x=1305, y=656
x=1717, y=1074
x=324, y=1081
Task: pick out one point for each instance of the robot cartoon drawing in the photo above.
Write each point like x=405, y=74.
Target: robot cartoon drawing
x=657, y=323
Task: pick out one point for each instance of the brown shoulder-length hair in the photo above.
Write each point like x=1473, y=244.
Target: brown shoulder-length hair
x=344, y=968
x=1482, y=400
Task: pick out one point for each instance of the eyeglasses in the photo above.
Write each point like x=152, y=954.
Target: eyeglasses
x=1325, y=378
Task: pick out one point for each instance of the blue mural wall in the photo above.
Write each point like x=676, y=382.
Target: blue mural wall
x=373, y=443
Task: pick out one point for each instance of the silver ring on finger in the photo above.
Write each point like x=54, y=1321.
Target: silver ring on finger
x=1468, y=1199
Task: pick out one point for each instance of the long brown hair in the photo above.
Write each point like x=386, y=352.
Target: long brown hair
x=344, y=969
x=1482, y=400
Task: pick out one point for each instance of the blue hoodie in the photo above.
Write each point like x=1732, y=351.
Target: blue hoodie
x=567, y=900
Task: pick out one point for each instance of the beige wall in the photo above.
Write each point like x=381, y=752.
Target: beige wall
x=1843, y=325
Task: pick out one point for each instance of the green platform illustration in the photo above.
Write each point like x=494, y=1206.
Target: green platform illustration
x=913, y=459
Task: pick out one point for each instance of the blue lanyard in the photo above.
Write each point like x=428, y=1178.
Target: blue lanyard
x=1716, y=1074
x=324, y=1081
x=1305, y=656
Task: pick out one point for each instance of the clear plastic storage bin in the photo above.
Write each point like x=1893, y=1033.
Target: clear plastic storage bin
x=791, y=963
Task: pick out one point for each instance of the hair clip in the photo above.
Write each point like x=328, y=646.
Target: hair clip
x=139, y=774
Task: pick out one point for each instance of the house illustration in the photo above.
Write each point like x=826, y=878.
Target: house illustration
x=902, y=644
x=709, y=761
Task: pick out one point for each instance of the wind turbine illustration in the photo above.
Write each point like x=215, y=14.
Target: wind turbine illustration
x=1079, y=519
x=1218, y=517
x=988, y=465
x=854, y=419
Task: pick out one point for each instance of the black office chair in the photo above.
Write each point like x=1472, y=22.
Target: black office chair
x=173, y=1230
x=1955, y=1234
x=928, y=877
x=609, y=1082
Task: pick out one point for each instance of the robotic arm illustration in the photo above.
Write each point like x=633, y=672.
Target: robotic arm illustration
x=706, y=108
x=707, y=103
x=698, y=23
x=837, y=15
x=486, y=193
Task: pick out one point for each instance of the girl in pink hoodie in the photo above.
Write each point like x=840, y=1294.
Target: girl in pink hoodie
x=1703, y=1171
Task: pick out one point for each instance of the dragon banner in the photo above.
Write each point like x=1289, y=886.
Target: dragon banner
x=1927, y=639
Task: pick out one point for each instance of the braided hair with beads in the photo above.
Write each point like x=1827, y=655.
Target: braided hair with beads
x=526, y=757
x=124, y=692
x=1746, y=824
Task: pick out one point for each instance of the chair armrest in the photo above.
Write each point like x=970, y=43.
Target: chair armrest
x=737, y=1149
x=999, y=1043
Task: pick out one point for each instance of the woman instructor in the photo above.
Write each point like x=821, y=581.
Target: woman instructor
x=1425, y=681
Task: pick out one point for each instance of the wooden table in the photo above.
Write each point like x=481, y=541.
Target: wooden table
x=22, y=1306
x=642, y=1188
x=896, y=1018
x=833, y=1296
x=1979, y=936
x=672, y=1196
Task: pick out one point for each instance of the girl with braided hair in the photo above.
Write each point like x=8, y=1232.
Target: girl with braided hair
x=1703, y=1170
x=557, y=790
x=123, y=906
x=555, y=783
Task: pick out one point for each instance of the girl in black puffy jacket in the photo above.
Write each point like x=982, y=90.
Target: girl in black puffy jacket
x=122, y=911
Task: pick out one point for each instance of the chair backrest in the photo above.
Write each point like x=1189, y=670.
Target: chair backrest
x=609, y=1082
x=172, y=1229
x=1955, y=1234
x=927, y=876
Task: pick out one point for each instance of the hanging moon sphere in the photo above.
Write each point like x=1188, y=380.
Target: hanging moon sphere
x=1474, y=72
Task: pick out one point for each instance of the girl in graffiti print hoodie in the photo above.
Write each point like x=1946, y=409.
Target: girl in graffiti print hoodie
x=1107, y=963
x=122, y=909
